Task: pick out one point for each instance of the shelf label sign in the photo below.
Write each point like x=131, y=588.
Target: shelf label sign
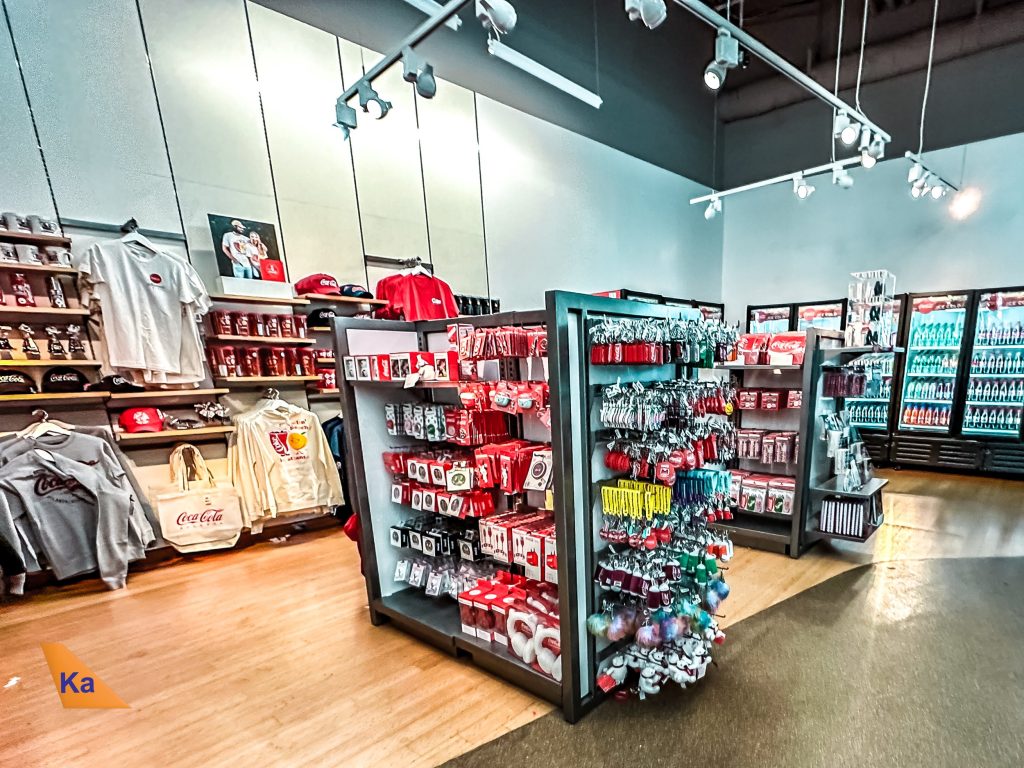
x=998, y=301
x=930, y=304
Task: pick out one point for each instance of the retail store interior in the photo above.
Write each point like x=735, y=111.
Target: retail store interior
x=455, y=382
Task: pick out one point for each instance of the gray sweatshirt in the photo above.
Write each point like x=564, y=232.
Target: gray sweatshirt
x=97, y=453
x=69, y=514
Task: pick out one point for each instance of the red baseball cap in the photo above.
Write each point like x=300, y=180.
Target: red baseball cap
x=141, y=420
x=318, y=283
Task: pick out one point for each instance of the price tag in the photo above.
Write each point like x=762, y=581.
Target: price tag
x=418, y=572
x=434, y=583
x=402, y=570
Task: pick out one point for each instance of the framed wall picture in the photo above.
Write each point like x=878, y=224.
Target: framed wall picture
x=246, y=249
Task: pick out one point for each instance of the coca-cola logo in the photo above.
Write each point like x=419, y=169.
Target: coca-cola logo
x=786, y=345
x=11, y=378
x=47, y=483
x=278, y=442
x=57, y=377
x=326, y=282
x=205, y=517
x=155, y=278
x=924, y=306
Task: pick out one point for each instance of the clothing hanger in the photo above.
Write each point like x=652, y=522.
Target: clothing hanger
x=132, y=235
x=44, y=425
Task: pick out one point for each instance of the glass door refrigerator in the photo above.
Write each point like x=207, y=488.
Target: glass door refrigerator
x=826, y=315
x=995, y=386
x=935, y=340
x=769, y=318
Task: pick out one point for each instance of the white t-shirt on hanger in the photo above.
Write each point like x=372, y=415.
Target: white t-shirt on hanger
x=148, y=303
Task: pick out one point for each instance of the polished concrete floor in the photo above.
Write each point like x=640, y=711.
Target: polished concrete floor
x=916, y=663
x=265, y=656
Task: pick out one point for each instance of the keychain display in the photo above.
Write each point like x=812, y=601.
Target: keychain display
x=445, y=423
x=658, y=341
x=664, y=405
x=496, y=343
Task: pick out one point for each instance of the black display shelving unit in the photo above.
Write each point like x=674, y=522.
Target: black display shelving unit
x=779, y=533
x=577, y=468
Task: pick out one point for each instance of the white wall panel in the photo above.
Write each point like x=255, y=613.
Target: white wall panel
x=85, y=68
x=780, y=249
x=300, y=79
x=387, y=164
x=202, y=61
x=451, y=177
x=22, y=175
x=564, y=212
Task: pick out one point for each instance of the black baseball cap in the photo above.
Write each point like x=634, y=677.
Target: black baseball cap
x=114, y=383
x=355, y=291
x=64, y=379
x=320, y=317
x=16, y=383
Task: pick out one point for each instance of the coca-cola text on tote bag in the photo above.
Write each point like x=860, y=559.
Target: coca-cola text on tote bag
x=198, y=514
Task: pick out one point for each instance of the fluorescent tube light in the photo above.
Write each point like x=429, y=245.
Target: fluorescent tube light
x=549, y=76
x=430, y=7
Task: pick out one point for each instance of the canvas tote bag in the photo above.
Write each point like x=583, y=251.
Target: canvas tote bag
x=200, y=514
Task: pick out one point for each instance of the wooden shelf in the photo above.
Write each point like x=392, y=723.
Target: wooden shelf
x=326, y=360
x=283, y=340
x=866, y=491
x=55, y=269
x=322, y=394
x=49, y=363
x=162, y=396
x=70, y=399
x=730, y=367
x=310, y=297
x=30, y=238
x=258, y=300
x=42, y=312
x=173, y=435
x=239, y=380
x=319, y=329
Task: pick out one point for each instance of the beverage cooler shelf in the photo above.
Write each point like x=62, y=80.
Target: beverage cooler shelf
x=998, y=404
x=943, y=348
x=996, y=375
x=867, y=425
x=917, y=374
x=927, y=400
x=985, y=347
x=1000, y=432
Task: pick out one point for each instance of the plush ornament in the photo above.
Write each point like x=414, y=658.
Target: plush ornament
x=648, y=636
x=704, y=619
x=521, y=628
x=598, y=624
x=672, y=628
x=548, y=650
x=719, y=637
x=631, y=616
x=619, y=627
x=617, y=669
x=650, y=682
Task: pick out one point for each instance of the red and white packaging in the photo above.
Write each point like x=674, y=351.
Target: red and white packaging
x=468, y=611
x=550, y=558
x=795, y=398
x=751, y=348
x=384, y=367
x=781, y=493
x=446, y=366
x=770, y=400
x=738, y=475
x=485, y=617
x=787, y=348
x=747, y=399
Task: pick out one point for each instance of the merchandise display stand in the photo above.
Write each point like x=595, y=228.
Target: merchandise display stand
x=577, y=471
x=862, y=505
x=773, y=532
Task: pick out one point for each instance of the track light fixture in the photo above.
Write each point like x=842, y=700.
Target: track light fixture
x=845, y=129
x=345, y=117
x=371, y=102
x=416, y=70
x=727, y=56
x=801, y=188
x=841, y=177
x=498, y=15
x=925, y=182
x=713, y=209
x=652, y=12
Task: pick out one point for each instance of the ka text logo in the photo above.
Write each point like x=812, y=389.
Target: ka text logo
x=77, y=686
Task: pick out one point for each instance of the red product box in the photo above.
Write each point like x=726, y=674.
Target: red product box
x=485, y=617
x=522, y=535
x=550, y=558
x=468, y=611
x=770, y=400
x=747, y=399
x=384, y=367
x=395, y=462
x=446, y=366
x=460, y=337
x=420, y=360
x=375, y=367
x=787, y=348
x=795, y=398
x=751, y=348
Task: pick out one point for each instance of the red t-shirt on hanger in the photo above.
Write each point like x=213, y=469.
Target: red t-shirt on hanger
x=416, y=296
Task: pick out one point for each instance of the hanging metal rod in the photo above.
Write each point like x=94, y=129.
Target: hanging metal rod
x=804, y=174
x=414, y=38
x=772, y=59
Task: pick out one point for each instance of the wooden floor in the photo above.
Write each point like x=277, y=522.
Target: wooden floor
x=265, y=657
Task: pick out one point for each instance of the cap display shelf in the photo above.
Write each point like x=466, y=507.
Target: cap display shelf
x=173, y=435
x=66, y=399
x=50, y=363
x=30, y=314
x=229, y=299
x=163, y=396
x=260, y=380
x=331, y=299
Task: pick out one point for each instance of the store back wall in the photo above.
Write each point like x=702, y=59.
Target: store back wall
x=779, y=249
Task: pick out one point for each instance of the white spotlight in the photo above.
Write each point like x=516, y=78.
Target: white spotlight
x=938, y=191
x=801, y=188
x=842, y=178
x=371, y=102
x=915, y=173
x=965, y=202
x=713, y=209
x=653, y=13
x=498, y=15
x=845, y=129
x=727, y=56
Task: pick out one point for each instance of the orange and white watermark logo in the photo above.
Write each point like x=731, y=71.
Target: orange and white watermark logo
x=76, y=684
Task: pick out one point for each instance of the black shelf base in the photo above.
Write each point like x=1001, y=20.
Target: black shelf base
x=436, y=621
